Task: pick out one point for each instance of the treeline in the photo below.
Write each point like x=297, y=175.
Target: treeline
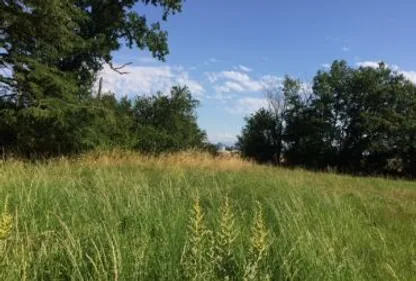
x=149, y=124
x=355, y=120
x=51, y=53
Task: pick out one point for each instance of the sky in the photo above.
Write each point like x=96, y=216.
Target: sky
x=227, y=51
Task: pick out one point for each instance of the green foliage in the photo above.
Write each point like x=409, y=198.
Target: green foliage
x=51, y=53
x=73, y=37
x=167, y=123
x=354, y=120
x=150, y=124
x=258, y=139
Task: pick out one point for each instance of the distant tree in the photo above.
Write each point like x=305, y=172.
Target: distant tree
x=210, y=148
x=259, y=138
x=167, y=122
x=358, y=120
x=301, y=135
x=282, y=101
x=279, y=98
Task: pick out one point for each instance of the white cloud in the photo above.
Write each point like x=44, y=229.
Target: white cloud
x=243, y=68
x=148, y=80
x=238, y=81
x=222, y=137
x=211, y=61
x=183, y=79
x=411, y=75
x=246, y=106
x=212, y=76
x=345, y=49
x=147, y=60
x=326, y=65
x=223, y=99
x=229, y=86
x=395, y=67
x=268, y=80
x=373, y=64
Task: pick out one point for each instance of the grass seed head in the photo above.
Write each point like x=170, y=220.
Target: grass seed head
x=6, y=225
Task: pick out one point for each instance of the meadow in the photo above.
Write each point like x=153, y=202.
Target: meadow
x=189, y=216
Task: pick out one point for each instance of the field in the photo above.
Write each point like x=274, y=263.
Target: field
x=191, y=217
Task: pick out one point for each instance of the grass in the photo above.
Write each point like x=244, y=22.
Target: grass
x=119, y=216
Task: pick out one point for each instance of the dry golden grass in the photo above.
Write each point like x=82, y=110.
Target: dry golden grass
x=118, y=158
x=187, y=159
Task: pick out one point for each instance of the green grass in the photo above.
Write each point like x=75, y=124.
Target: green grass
x=135, y=220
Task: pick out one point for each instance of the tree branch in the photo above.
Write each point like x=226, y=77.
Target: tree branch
x=117, y=69
x=8, y=95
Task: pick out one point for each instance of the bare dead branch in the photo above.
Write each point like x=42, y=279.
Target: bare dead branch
x=7, y=95
x=275, y=97
x=118, y=68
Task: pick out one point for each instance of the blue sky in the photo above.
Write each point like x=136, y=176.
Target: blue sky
x=226, y=51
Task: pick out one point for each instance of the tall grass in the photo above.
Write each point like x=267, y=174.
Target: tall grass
x=121, y=216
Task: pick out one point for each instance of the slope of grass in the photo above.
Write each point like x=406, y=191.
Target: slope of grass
x=192, y=217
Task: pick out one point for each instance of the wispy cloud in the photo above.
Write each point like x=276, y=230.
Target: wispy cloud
x=229, y=86
x=211, y=61
x=220, y=98
x=395, y=67
x=147, y=60
x=345, y=49
x=247, y=105
x=233, y=78
x=148, y=80
x=373, y=64
x=326, y=65
x=238, y=81
x=243, y=68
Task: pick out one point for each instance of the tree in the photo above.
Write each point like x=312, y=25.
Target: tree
x=50, y=53
x=356, y=120
x=363, y=113
x=259, y=138
x=327, y=114
x=301, y=132
x=74, y=36
x=167, y=123
x=282, y=99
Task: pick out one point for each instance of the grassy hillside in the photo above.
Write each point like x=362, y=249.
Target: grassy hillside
x=191, y=217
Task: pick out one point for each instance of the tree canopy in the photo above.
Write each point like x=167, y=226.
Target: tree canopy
x=360, y=120
x=50, y=54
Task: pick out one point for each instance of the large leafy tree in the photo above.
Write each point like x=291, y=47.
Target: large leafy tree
x=65, y=36
x=50, y=53
x=360, y=120
x=367, y=110
x=327, y=114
